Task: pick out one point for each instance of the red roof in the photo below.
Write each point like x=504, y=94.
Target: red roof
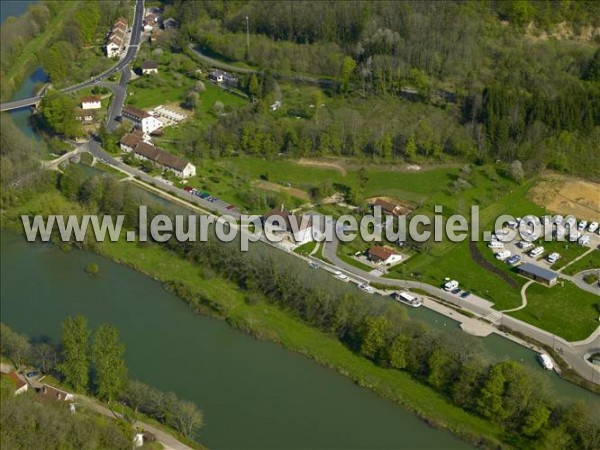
x=391, y=208
x=380, y=253
x=90, y=99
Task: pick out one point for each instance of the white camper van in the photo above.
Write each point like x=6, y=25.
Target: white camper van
x=503, y=255
x=536, y=252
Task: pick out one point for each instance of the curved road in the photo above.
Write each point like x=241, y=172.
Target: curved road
x=136, y=34
x=572, y=352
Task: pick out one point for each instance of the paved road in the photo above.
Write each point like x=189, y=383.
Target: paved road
x=168, y=441
x=136, y=33
x=98, y=152
x=572, y=352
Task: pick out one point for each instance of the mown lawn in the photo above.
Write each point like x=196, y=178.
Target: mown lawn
x=591, y=261
x=564, y=310
x=305, y=249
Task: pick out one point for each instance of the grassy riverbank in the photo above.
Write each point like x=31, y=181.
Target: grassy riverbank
x=213, y=295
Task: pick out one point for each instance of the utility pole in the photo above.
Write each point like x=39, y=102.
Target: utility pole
x=247, y=38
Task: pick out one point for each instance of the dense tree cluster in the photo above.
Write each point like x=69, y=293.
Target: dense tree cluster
x=28, y=424
x=19, y=155
x=504, y=94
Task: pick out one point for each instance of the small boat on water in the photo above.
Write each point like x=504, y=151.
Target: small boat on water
x=546, y=361
x=407, y=299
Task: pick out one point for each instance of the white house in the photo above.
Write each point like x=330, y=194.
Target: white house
x=91, y=102
x=146, y=121
x=149, y=67
x=296, y=229
x=181, y=168
x=19, y=385
x=116, y=38
x=383, y=255
x=129, y=142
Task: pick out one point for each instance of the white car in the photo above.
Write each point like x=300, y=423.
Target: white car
x=366, y=288
x=340, y=276
x=536, y=252
x=450, y=285
x=553, y=257
x=584, y=240
x=582, y=225
x=593, y=227
x=503, y=255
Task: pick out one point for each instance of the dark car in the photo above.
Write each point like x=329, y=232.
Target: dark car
x=188, y=189
x=455, y=291
x=204, y=195
x=32, y=374
x=465, y=294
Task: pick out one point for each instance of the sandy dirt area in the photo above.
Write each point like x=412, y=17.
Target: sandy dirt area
x=564, y=195
x=322, y=164
x=274, y=187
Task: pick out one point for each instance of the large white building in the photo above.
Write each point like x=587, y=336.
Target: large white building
x=146, y=121
x=91, y=102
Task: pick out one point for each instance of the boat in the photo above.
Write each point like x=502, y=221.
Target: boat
x=407, y=299
x=546, y=361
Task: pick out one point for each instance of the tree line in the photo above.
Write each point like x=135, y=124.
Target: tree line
x=503, y=392
x=98, y=367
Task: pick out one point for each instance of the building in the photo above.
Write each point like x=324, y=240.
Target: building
x=163, y=159
x=539, y=274
x=216, y=76
x=383, y=255
x=47, y=392
x=149, y=67
x=115, y=41
x=296, y=229
x=91, y=102
x=147, y=122
x=84, y=116
x=129, y=142
x=150, y=21
x=20, y=385
x=391, y=209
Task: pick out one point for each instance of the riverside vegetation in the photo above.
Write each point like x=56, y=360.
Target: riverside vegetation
x=99, y=369
x=440, y=376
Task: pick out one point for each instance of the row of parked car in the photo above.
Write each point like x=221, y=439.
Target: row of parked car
x=209, y=198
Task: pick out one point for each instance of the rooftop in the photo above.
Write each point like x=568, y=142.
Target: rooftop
x=90, y=99
x=288, y=218
x=381, y=252
x=136, y=113
x=149, y=65
x=160, y=156
x=130, y=140
x=538, y=271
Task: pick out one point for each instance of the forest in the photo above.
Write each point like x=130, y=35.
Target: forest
x=485, y=80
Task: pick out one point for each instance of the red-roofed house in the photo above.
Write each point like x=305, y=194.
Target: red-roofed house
x=383, y=255
x=91, y=102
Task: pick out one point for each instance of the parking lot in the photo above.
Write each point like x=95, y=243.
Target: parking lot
x=515, y=247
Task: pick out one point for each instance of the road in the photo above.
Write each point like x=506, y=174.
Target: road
x=136, y=33
x=166, y=439
x=572, y=352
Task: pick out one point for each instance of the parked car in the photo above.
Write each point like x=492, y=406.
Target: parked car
x=465, y=294
x=366, y=288
x=314, y=265
x=188, y=189
x=513, y=260
x=455, y=291
x=32, y=374
x=450, y=285
x=340, y=276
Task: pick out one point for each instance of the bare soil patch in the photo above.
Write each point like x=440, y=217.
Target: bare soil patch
x=485, y=264
x=274, y=187
x=564, y=195
x=323, y=164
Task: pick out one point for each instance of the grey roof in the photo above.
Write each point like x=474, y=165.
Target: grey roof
x=538, y=271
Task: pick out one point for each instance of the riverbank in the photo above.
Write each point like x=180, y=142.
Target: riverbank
x=28, y=58
x=222, y=299
x=209, y=294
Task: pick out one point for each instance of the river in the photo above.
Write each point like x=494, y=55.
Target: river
x=254, y=394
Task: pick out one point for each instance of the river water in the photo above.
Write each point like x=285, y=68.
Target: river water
x=254, y=394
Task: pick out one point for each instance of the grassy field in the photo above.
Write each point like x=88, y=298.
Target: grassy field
x=305, y=249
x=564, y=310
x=591, y=261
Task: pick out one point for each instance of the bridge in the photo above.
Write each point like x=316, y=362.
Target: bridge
x=136, y=32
